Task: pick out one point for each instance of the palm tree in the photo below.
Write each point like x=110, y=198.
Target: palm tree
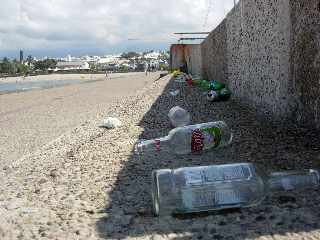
x=29, y=60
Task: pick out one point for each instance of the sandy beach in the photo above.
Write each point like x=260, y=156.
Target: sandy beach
x=31, y=119
x=88, y=183
x=56, y=77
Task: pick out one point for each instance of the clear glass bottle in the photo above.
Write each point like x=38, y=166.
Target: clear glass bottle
x=189, y=139
x=179, y=117
x=216, y=187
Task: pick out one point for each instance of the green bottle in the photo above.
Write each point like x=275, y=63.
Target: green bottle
x=224, y=94
x=205, y=85
x=215, y=85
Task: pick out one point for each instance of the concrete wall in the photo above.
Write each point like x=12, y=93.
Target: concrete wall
x=189, y=54
x=258, y=55
x=268, y=53
x=214, y=49
x=305, y=60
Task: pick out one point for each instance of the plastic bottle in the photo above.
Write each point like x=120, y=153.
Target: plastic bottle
x=179, y=117
x=219, y=95
x=215, y=85
x=189, y=139
x=206, y=85
x=216, y=187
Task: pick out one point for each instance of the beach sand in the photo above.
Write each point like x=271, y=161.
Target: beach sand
x=31, y=119
x=56, y=77
x=88, y=184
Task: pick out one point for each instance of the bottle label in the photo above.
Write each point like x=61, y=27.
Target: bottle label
x=205, y=175
x=200, y=198
x=202, y=136
x=197, y=141
x=157, y=144
x=287, y=184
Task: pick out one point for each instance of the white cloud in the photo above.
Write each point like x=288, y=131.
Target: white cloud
x=54, y=24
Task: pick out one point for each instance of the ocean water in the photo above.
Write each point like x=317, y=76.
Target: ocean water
x=33, y=85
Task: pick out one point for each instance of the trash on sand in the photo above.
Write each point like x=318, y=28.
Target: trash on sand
x=189, y=139
x=175, y=93
x=219, y=95
x=176, y=73
x=216, y=187
x=206, y=85
x=179, y=117
x=111, y=122
x=181, y=78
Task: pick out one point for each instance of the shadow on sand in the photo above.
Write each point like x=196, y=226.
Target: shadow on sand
x=270, y=147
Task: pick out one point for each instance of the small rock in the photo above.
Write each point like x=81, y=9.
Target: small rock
x=157, y=237
x=41, y=229
x=213, y=231
x=222, y=223
x=218, y=237
x=126, y=220
x=70, y=154
x=54, y=173
x=42, y=181
x=260, y=218
x=286, y=199
x=90, y=211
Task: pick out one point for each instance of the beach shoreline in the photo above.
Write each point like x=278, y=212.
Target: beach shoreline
x=63, y=77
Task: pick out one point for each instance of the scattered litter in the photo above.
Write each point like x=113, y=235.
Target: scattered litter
x=212, y=96
x=175, y=93
x=176, y=73
x=189, y=139
x=179, y=117
x=111, y=122
x=180, y=80
x=240, y=185
x=219, y=95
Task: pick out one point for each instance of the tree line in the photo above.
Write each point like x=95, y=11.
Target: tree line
x=12, y=67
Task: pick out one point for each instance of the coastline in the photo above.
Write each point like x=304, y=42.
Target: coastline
x=57, y=77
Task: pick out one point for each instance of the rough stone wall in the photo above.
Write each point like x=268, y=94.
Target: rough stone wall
x=305, y=60
x=258, y=55
x=214, y=49
x=268, y=51
x=189, y=54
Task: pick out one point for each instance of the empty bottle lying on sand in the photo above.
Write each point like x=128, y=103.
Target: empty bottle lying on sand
x=189, y=139
x=179, y=117
x=217, y=187
x=220, y=95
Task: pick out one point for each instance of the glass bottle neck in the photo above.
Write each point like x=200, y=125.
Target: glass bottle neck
x=293, y=180
x=154, y=145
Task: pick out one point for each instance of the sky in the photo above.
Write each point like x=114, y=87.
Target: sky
x=56, y=28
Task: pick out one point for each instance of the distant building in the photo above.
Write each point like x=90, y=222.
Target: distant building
x=21, y=56
x=67, y=66
x=152, y=55
x=69, y=58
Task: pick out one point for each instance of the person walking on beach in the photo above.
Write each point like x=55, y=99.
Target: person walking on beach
x=107, y=75
x=147, y=69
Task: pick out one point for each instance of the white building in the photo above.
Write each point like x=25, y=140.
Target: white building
x=152, y=55
x=67, y=66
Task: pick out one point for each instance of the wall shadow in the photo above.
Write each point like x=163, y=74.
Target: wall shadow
x=270, y=147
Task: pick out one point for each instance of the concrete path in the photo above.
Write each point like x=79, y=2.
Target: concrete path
x=31, y=119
